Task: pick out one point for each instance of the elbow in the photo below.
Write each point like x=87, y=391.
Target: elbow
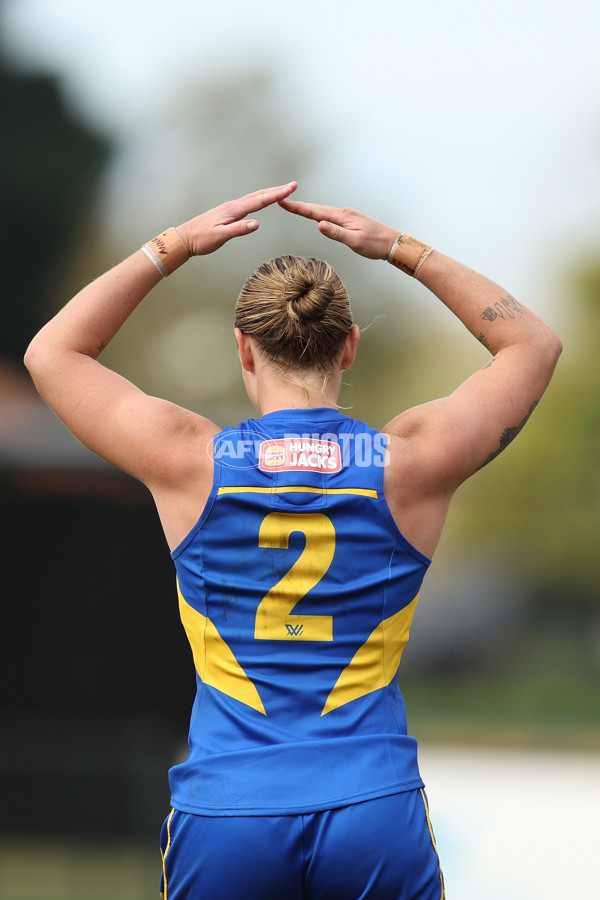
x=554, y=347
x=549, y=348
x=33, y=357
x=37, y=359
x=545, y=344
x=29, y=358
x=559, y=345
x=541, y=350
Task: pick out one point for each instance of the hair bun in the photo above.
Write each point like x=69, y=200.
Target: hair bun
x=309, y=301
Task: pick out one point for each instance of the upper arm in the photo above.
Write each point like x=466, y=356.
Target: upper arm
x=149, y=438
x=453, y=437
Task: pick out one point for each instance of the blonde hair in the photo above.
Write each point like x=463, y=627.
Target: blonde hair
x=297, y=310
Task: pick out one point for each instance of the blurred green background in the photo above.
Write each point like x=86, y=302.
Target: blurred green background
x=114, y=126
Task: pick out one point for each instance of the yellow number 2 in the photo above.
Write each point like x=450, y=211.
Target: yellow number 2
x=274, y=619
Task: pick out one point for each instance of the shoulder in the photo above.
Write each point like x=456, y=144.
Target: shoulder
x=182, y=470
x=185, y=448
x=412, y=439
x=417, y=489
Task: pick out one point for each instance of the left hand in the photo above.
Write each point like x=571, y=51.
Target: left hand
x=209, y=231
x=365, y=236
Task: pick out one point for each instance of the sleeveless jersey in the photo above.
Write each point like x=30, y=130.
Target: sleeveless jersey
x=297, y=592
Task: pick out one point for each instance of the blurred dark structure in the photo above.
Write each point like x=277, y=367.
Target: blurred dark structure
x=94, y=663
x=91, y=640
x=50, y=164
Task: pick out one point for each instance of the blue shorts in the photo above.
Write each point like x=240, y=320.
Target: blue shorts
x=381, y=849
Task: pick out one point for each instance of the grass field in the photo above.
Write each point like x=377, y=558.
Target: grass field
x=62, y=870
x=530, y=716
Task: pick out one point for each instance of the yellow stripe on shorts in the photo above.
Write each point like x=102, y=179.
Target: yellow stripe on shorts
x=429, y=825
x=164, y=896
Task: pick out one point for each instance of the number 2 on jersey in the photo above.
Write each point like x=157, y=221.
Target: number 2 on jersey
x=274, y=618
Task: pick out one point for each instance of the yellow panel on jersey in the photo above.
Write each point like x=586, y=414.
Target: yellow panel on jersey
x=376, y=662
x=214, y=661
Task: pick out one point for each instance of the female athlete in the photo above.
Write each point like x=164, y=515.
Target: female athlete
x=300, y=540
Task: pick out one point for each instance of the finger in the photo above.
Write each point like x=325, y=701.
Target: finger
x=313, y=211
x=336, y=233
x=308, y=210
x=259, y=199
x=331, y=230
x=238, y=229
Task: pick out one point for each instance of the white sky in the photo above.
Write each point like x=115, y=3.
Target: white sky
x=474, y=125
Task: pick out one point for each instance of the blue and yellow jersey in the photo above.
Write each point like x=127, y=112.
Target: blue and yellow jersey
x=297, y=592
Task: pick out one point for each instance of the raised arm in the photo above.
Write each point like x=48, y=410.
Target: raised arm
x=142, y=435
x=453, y=437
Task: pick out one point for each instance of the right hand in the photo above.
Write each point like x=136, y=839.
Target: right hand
x=365, y=236
x=209, y=231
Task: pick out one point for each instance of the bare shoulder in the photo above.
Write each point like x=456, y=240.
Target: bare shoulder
x=184, y=449
x=181, y=474
x=416, y=492
x=413, y=441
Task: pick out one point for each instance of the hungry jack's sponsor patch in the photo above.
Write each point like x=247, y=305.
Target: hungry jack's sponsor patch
x=299, y=455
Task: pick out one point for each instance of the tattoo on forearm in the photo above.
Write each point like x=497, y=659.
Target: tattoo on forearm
x=100, y=347
x=507, y=437
x=483, y=340
x=505, y=308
